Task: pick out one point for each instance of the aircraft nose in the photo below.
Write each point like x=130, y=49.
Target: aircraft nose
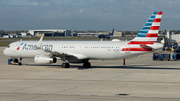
x=5, y=52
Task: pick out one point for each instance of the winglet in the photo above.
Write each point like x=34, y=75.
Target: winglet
x=39, y=43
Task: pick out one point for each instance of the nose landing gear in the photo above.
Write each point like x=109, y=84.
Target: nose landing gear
x=15, y=61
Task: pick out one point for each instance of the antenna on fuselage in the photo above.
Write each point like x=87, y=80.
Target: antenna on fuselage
x=101, y=39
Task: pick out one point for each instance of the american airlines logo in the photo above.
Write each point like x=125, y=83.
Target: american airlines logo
x=33, y=47
x=20, y=46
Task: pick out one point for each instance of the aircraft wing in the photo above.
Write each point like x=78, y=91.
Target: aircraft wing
x=61, y=54
x=67, y=54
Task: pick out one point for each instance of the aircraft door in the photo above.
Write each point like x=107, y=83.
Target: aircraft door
x=117, y=50
x=81, y=48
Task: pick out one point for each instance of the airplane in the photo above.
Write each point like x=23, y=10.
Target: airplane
x=107, y=35
x=48, y=52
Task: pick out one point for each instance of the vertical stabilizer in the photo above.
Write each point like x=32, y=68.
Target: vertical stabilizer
x=112, y=32
x=149, y=32
x=146, y=39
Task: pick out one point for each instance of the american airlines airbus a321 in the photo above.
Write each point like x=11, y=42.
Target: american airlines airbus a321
x=47, y=52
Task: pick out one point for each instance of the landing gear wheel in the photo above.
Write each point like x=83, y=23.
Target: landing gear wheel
x=87, y=64
x=65, y=65
x=19, y=64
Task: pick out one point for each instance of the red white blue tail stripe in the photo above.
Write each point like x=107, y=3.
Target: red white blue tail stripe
x=149, y=32
x=147, y=35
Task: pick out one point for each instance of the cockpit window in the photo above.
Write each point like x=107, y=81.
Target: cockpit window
x=8, y=46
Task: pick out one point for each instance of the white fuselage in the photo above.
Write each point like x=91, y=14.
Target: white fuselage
x=102, y=50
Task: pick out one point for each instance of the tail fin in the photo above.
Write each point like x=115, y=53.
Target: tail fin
x=149, y=32
x=112, y=32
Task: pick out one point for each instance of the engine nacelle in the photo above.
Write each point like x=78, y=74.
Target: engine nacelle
x=44, y=59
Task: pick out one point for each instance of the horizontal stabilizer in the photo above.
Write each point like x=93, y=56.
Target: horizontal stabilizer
x=145, y=46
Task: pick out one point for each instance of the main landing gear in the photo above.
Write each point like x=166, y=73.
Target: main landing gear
x=65, y=65
x=85, y=64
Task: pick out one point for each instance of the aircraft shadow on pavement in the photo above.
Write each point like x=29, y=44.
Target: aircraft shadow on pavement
x=131, y=67
x=113, y=67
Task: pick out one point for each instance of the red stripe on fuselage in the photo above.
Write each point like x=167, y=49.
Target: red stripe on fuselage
x=136, y=49
x=142, y=42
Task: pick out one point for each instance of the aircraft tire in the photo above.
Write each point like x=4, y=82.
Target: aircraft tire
x=19, y=64
x=65, y=65
x=87, y=64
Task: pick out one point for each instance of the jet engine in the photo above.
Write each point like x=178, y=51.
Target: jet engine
x=44, y=59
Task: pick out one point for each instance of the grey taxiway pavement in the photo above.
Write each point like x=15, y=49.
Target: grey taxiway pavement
x=140, y=80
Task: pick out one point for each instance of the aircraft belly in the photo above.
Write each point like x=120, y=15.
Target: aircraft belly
x=28, y=53
x=101, y=54
x=123, y=55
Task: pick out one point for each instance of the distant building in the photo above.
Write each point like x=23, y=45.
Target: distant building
x=50, y=32
x=87, y=34
x=1, y=35
x=116, y=34
x=74, y=34
x=23, y=34
x=169, y=37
